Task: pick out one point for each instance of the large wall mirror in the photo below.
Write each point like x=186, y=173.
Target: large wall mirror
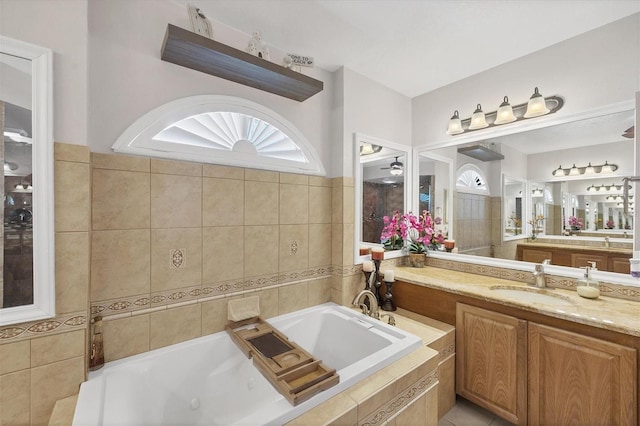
x=382, y=173
x=516, y=196
x=27, y=289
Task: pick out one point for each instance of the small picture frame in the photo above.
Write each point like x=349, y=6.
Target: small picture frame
x=199, y=22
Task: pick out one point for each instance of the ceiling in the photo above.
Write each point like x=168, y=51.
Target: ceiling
x=414, y=46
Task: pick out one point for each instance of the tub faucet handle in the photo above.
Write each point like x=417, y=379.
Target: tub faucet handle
x=391, y=320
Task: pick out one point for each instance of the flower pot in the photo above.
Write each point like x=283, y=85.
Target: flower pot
x=417, y=260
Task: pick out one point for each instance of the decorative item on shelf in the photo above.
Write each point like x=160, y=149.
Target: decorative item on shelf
x=449, y=245
x=369, y=278
x=257, y=47
x=536, y=106
x=609, y=224
x=537, y=225
x=199, y=22
x=422, y=236
x=605, y=168
x=517, y=223
x=377, y=255
x=294, y=61
x=389, y=279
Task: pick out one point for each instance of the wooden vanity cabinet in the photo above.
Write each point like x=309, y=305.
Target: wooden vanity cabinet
x=574, y=257
x=491, y=361
x=575, y=379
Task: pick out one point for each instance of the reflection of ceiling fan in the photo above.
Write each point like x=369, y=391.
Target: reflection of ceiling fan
x=396, y=167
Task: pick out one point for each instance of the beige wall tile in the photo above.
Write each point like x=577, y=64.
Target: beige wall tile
x=121, y=200
x=15, y=356
x=338, y=295
x=72, y=271
x=294, y=179
x=170, y=167
x=319, y=244
x=336, y=204
x=15, y=397
x=319, y=291
x=174, y=325
x=120, y=162
x=214, y=170
x=261, y=175
x=223, y=202
x=176, y=201
x=268, y=302
x=347, y=243
x=72, y=200
x=59, y=347
x=320, y=204
x=260, y=253
x=294, y=204
x=348, y=205
x=261, y=202
x=222, y=253
x=52, y=382
x=69, y=152
x=120, y=264
x=320, y=181
x=292, y=298
x=294, y=247
x=165, y=275
x=214, y=315
x=336, y=244
x=126, y=337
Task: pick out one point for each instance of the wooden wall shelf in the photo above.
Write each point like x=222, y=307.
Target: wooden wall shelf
x=190, y=50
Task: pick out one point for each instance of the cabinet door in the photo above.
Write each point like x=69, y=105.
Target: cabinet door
x=619, y=265
x=579, y=380
x=491, y=361
x=536, y=255
x=579, y=260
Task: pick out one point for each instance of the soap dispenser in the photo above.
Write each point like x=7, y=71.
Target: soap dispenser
x=587, y=286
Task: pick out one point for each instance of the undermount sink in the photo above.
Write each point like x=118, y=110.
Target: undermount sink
x=531, y=295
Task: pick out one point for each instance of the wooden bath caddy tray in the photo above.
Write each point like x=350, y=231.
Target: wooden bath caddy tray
x=289, y=368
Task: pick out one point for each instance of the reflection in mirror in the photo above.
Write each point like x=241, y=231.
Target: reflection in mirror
x=561, y=211
x=513, y=199
x=435, y=183
x=381, y=179
x=27, y=287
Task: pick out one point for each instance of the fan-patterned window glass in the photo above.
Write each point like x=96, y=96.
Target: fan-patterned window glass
x=232, y=131
x=470, y=179
x=221, y=130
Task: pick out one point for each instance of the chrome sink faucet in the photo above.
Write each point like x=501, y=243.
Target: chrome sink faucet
x=539, y=275
x=372, y=309
x=606, y=241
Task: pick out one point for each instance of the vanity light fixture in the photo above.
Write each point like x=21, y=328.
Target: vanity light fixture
x=478, y=119
x=23, y=187
x=9, y=166
x=536, y=107
x=606, y=188
x=617, y=198
x=369, y=148
x=581, y=170
x=455, y=124
x=537, y=192
x=505, y=113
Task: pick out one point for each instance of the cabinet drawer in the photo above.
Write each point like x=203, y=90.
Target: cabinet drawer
x=579, y=260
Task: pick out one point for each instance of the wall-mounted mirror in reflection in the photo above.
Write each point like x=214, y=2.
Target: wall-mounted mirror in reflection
x=27, y=289
x=382, y=181
x=434, y=191
x=540, y=210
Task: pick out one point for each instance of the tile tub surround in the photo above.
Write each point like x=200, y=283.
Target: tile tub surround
x=187, y=232
x=44, y=361
x=605, y=312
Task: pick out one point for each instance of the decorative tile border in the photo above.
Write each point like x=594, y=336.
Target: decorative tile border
x=193, y=294
x=607, y=289
x=56, y=325
x=446, y=352
x=400, y=401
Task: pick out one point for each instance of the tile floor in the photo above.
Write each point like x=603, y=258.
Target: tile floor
x=464, y=413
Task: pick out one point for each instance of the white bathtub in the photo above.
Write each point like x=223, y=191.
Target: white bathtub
x=209, y=381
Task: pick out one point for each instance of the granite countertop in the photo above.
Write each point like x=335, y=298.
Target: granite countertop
x=577, y=247
x=613, y=314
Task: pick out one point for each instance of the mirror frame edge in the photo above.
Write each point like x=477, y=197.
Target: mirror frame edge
x=357, y=177
x=43, y=182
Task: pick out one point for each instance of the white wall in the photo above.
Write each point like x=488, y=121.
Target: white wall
x=61, y=26
x=127, y=78
x=597, y=68
x=374, y=110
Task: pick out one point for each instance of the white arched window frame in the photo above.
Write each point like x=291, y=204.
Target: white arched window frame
x=471, y=179
x=221, y=130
